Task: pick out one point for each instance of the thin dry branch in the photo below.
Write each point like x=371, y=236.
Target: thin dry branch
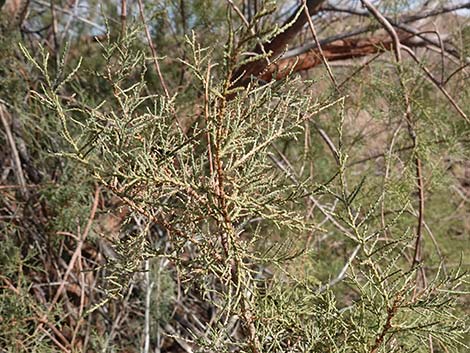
x=461, y=68
x=73, y=259
x=14, y=151
x=407, y=18
x=72, y=14
x=387, y=26
x=437, y=84
x=343, y=271
x=400, y=23
x=317, y=42
x=153, y=50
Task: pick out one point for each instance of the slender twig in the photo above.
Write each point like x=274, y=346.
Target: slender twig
x=341, y=273
x=82, y=300
x=117, y=320
x=435, y=43
x=227, y=229
x=317, y=42
x=82, y=303
x=387, y=26
x=441, y=43
x=400, y=23
x=419, y=177
x=71, y=13
x=54, y=26
x=153, y=50
x=455, y=72
x=123, y=17
x=401, y=149
x=185, y=31
x=240, y=14
x=437, y=84
x=247, y=24
x=329, y=142
x=359, y=69
x=388, y=162
x=14, y=151
x=406, y=18
x=73, y=259
x=148, y=296
x=66, y=30
x=207, y=120
x=55, y=340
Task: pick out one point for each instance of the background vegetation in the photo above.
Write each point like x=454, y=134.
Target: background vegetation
x=234, y=176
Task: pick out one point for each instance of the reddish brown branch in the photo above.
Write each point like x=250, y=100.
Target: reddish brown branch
x=278, y=44
x=338, y=50
x=391, y=312
x=153, y=50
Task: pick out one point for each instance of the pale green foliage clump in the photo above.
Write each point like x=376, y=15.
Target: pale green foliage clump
x=229, y=214
x=235, y=211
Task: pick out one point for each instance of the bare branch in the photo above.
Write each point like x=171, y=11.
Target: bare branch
x=14, y=151
x=152, y=49
x=315, y=37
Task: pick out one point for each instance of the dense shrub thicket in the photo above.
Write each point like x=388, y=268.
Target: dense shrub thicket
x=206, y=176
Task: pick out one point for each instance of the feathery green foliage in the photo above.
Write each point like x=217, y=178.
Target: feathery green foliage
x=253, y=217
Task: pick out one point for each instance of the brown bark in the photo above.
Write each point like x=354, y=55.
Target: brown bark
x=339, y=50
x=277, y=45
